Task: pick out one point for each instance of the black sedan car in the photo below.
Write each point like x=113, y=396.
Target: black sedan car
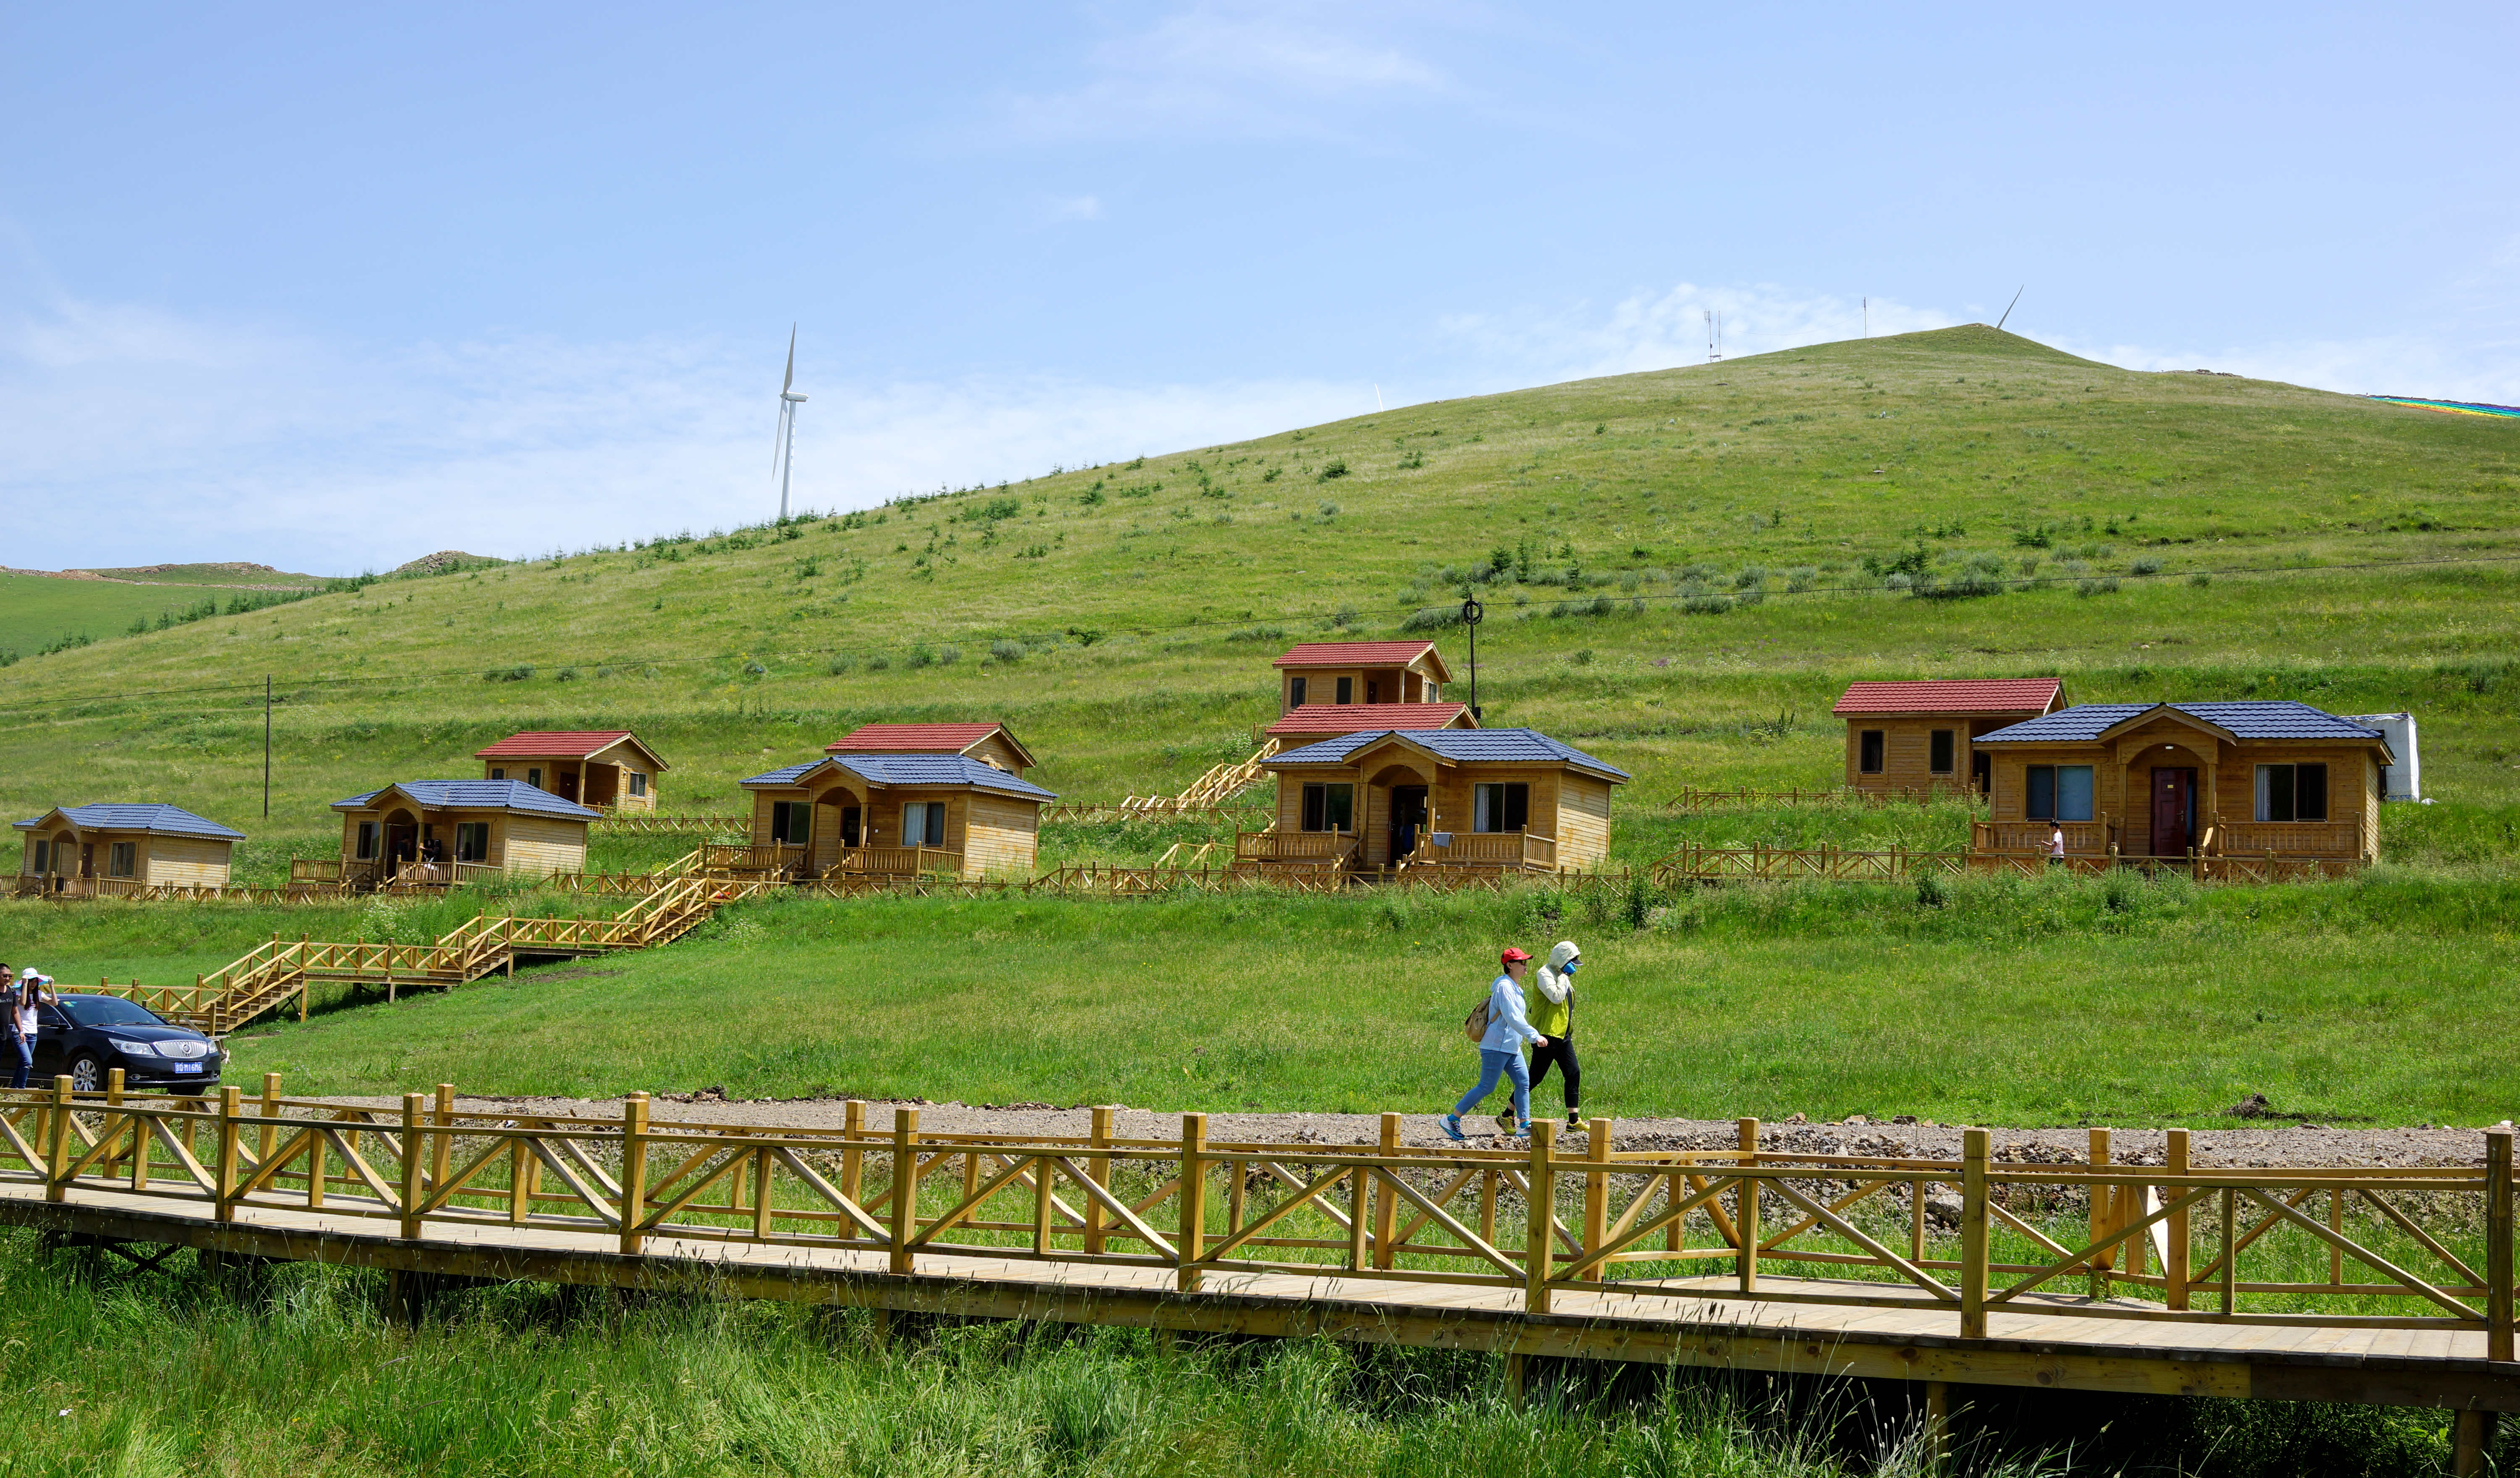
x=90, y=1036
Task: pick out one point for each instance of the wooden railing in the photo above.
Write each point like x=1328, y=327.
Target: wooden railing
x=1706, y=798
x=1090, y=811
x=1693, y=863
x=777, y=859
x=1487, y=849
x=1954, y=1242
x=2082, y=837
x=2290, y=838
x=1294, y=846
x=895, y=861
x=643, y=824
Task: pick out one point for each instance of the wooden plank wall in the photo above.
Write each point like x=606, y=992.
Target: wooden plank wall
x=1001, y=836
x=195, y=862
x=539, y=844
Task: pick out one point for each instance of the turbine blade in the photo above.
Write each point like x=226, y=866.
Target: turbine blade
x=789, y=382
x=778, y=437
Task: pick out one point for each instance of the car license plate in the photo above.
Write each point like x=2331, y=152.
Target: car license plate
x=186, y=1067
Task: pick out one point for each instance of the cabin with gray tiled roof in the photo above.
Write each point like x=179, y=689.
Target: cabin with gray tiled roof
x=1492, y=799
x=895, y=815
x=2186, y=781
x=109, y=848
x=428, y=832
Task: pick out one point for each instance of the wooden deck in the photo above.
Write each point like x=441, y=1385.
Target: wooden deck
x=1748, y=1258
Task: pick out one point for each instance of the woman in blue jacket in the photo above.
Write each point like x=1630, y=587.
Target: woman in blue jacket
x=1501, y=1049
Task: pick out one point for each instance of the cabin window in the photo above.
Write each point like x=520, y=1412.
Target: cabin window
x=1347, y=690
x=2058, y=792
x=1372, y=691
x=2292, y=792
x=1295, y=693
x=38, y=854
x=121, y=859
x=471, y=841
x=534, y=778
x=1500, y=807
x=1867, y=751
x=368, y=830
x=792, y=822
x=1939, y=753
x=923, y=823
x=1329, y=808
x=638, y=782
x=497, y=772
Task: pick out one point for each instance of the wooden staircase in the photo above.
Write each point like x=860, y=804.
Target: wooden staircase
x=1221, y=784
x=221, y=1002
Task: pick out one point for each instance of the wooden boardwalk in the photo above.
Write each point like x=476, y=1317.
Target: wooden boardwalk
x=2343, y=1283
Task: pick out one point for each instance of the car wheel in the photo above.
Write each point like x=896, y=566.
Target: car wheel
x=87, y=1075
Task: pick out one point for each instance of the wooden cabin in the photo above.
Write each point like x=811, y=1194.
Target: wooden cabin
x=1360, y=672
x=605, y=768
x=989, y=743
x=448, y=831
x=1921, y=737
x=894, y=816
x=1504, y=799
x=2182, y=779
x=1319, y=721
x=109, y=848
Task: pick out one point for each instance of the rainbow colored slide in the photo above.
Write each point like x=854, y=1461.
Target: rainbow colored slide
x=2453, y=406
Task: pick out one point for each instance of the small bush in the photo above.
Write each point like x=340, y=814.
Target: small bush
x=1751, y=577
x=755, y=670
x=565, y=675
x=1432, y=618
x=1334, y=471
x=1899, y=581
x=879, y=662
x=1330, y=510
x=1706, y=606
x=1003, y=651
x=1800, y=578
x=2148, y=566
x=842, y=664
x=2200, y=579
x=2105, y=586
x=1933, y=891
x=516, y=674
x=921, y=655
x=947, y=656
x=1582, y=656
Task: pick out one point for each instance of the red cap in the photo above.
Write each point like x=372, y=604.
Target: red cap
x=1511, y=955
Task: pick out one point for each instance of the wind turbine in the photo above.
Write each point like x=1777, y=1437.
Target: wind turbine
x=782, y=447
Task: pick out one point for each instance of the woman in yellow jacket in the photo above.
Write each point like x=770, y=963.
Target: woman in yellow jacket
x=1549, y=1001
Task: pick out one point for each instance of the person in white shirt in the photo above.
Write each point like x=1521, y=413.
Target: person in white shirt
x=1501, y=1049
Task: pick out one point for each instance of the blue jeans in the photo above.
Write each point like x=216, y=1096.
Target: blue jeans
x=22, y=1059
x=1508, y=1063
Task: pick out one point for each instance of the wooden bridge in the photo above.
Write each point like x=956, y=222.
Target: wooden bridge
x=2342, y=1284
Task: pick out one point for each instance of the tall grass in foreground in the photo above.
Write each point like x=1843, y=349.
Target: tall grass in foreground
x=290, y=1369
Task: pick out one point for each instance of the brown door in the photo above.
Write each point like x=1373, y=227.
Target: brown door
x=565, y=784
x=87, y=859
x=1981, y=771
x=2174, y=811
x=1407, y=819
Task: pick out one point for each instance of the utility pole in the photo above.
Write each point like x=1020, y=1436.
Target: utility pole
x=1472, y=612
x=266, y=746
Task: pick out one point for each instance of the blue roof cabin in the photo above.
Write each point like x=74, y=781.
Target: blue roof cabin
x=436, y=832
x=1493, y=799
x=895, y=815
x=2186, y=781
x=106, y=849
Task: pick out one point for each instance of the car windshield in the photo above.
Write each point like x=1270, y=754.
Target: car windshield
x=107, y=1010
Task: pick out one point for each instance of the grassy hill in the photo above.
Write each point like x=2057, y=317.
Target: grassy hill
x=39, y=612
x=1680, y=567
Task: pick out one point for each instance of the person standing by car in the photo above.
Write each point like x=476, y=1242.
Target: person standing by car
x=1501, y=1046
x=26, y=1022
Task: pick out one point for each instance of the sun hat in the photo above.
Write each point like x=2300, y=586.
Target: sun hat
x=1511, y=955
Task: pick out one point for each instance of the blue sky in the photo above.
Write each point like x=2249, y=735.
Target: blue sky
x=332, y=287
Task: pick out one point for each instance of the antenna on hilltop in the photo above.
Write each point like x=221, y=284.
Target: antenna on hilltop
x=2008, y=307
x=1868, y=318
x=782, y=447
x=1714, y=335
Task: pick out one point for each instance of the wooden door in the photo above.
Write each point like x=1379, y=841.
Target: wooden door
x=2174, y=810
x=1407, y=819
x=1981, y=771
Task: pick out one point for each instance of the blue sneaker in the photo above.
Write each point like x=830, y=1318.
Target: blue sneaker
x=1523, y=1131
x=1453, y=1126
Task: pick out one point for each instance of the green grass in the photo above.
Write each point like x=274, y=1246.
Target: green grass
x=292, y=1369
x=2041, y=1000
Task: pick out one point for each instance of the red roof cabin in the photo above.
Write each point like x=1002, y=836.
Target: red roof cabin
x=1917, y=736
x=989, y=743
x=604, y=768
x=1339, y=673
x=1318, y=721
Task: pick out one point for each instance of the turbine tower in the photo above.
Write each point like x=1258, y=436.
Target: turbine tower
x=782, y=447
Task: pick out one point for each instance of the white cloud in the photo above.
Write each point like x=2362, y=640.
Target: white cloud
x=134, y=437
x=1075, y=208
x=1240, y=69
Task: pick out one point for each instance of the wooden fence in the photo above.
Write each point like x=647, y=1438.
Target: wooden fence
x=1707, y=799
x=639, y=824
x=2289, y=1252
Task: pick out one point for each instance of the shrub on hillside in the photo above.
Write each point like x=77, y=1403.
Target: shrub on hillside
x=1800, y=578
x=2105, y=586
x=516, y=674
x=879, y=662
x=1706, y=606
x=1432, y=618
x=2148, y=566
x=841, y=665
x=1003, y=651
